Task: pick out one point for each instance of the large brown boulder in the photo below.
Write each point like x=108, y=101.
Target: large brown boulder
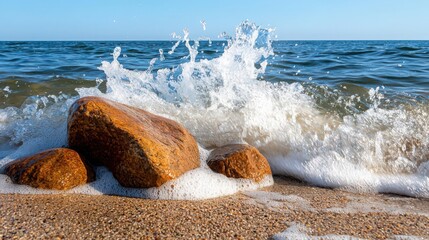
x=239, y=161
x=140, y=148
x=59, y=169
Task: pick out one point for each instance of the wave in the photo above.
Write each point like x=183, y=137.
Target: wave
x=358, y=141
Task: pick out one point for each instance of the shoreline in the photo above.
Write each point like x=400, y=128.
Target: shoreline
x=250, y=215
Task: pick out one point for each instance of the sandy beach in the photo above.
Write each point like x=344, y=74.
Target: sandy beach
x=214, y=120
x=251, y=215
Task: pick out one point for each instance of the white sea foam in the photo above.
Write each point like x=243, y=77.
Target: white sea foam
x=223, y=101
x=298, y=231
x=201, y=183
x=276, y=201
x=367, y=204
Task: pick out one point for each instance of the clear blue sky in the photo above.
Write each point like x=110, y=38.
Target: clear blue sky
x=157, y=19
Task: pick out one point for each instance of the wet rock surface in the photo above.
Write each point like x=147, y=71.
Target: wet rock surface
x=140, y=148
x=58, y=168
x=239, y=161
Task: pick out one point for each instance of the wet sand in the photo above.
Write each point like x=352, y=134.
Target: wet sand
x=251, y=215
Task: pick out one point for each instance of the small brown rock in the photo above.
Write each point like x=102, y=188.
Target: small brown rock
x=140, y=148
x=239, y=161
x=58, y=168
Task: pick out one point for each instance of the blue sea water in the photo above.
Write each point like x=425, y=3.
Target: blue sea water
x=400, y=66
x=344, y=114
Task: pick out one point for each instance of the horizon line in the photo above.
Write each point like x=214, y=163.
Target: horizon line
x=217, y=40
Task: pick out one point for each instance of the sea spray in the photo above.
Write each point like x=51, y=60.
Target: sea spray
x=162, y=95
x=354, y=138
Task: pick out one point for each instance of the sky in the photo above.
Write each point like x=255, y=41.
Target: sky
x=157, y=19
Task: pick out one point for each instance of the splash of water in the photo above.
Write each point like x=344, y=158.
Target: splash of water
x=203, y=24
x=224, y=100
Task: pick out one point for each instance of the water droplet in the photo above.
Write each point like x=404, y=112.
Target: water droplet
x=116, y=53
x=7, y=89
x=203, y=24
x=161, y=55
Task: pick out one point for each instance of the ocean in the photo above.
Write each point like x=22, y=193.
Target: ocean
x=340, y=114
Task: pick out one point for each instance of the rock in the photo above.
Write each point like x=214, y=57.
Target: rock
x=58, y=168
x=141, y=149
x=239, y=161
